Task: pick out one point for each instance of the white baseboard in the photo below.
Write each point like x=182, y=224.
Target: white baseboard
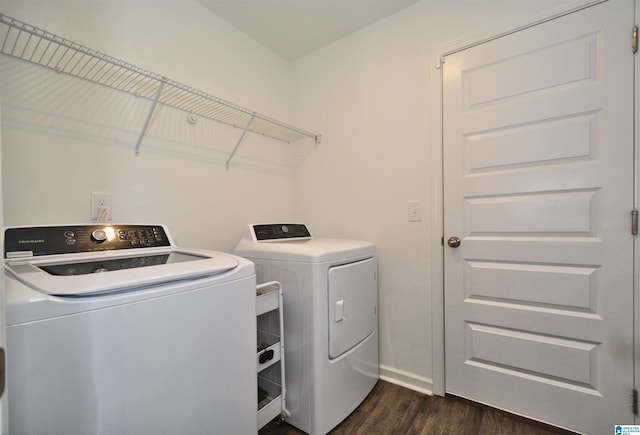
x=408, y=380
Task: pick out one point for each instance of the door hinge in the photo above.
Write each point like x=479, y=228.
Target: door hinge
x=634, y=222
x=634, y=401
x=3, y=371
x=634, y=43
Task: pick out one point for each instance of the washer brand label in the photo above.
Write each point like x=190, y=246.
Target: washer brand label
x=30, y=242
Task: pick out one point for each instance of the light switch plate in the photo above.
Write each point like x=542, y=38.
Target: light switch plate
x=415, y=211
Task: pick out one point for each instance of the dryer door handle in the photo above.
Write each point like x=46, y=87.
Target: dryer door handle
x=339, y=311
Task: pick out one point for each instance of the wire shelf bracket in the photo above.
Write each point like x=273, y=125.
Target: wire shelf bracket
x=149, y=115
x=29, y=43
x=244, y=132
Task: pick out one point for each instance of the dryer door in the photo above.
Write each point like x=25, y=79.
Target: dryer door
x=353, y=305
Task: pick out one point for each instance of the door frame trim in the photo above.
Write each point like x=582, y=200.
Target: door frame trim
x=437, y=56
x=636, y=202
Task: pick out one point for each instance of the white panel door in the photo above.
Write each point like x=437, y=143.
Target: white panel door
x=538, y=186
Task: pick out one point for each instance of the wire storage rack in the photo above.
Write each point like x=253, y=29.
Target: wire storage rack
x=29, y=43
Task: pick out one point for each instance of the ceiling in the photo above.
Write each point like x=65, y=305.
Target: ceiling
x=293, y=28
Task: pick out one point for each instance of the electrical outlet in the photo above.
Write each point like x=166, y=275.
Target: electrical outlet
x=99, y=200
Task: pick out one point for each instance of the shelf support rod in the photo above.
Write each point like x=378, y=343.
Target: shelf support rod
x=246, y=129
x=149, y=115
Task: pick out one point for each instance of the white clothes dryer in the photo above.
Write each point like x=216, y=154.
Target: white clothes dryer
x=112, y=329
x=330, y=307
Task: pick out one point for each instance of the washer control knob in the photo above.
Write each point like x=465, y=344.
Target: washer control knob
x=99, y=235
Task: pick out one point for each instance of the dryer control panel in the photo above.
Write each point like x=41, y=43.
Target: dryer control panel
x=268, y=232
x=73, y=239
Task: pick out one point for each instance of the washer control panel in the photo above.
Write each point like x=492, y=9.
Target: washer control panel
x=271, y=232
x=72, y=239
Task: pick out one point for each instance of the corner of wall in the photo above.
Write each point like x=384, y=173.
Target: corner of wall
x=405, y=379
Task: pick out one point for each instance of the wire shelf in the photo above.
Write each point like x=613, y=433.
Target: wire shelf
x=29, y=43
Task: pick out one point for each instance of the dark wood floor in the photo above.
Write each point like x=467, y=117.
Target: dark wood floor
x=391, y=409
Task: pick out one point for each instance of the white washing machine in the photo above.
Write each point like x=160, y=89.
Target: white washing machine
x=114, y=330
x=330, y=306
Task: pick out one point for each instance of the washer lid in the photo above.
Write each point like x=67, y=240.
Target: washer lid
x=98, y=273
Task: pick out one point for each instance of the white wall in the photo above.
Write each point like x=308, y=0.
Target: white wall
x=369, y=95
x=63, y=139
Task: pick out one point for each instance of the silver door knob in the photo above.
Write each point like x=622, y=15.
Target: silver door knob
x=453, y=241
